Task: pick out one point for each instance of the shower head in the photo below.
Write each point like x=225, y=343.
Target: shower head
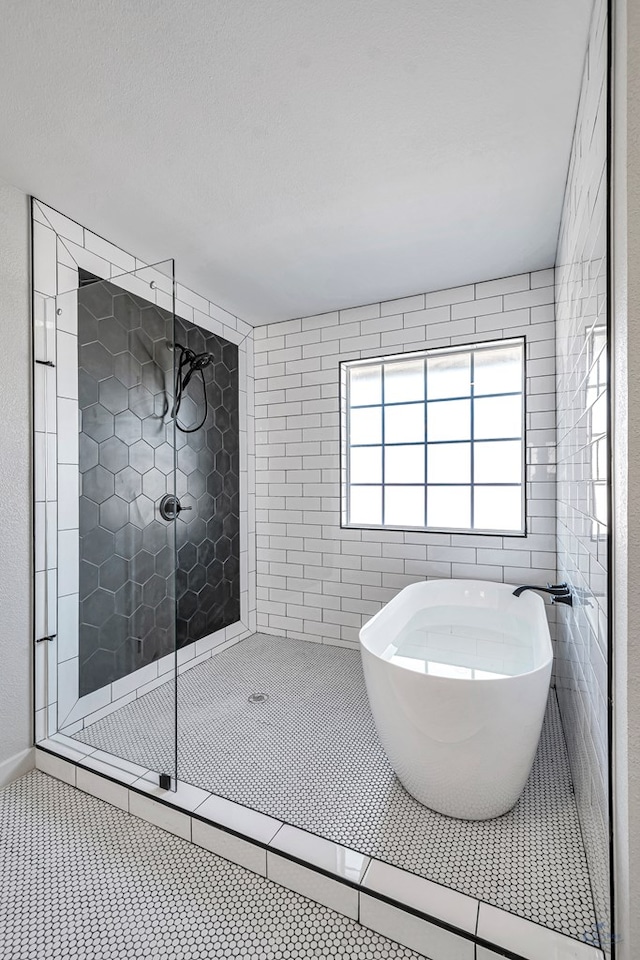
x=191, y=363
x=188, y=364
x=200, y=360
x=189, y=358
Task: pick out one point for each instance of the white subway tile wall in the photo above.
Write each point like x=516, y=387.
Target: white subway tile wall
x=581, y=296
x=319, y=581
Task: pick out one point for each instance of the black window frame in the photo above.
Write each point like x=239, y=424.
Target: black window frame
x=473, y=349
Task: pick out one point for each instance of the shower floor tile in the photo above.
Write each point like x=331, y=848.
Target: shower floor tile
x=309, y=754
x=82, y=879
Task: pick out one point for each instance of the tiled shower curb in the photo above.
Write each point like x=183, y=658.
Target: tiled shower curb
x=431, y=919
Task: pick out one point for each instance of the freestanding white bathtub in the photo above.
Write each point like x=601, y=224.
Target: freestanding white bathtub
x=457, y=674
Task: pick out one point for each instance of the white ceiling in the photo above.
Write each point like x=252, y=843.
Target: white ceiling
x=295, y=156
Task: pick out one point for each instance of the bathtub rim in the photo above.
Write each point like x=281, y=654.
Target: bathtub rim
x=533, y=600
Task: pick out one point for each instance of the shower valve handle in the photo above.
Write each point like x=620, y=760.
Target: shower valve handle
x=170, y=507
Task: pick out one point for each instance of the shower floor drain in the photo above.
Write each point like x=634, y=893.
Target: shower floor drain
x=258, y=697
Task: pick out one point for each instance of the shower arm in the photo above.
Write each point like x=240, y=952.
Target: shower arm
x=560, y=592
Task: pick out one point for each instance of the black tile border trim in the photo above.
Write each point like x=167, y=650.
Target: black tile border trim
x=612, y=17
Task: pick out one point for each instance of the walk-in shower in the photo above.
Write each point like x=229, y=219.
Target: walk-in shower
x=137, y=411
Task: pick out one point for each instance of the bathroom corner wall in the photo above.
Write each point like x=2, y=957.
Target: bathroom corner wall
x=16, y=566
x=318, y=581
x=583, y=460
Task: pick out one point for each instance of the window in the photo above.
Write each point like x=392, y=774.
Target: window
x=596, y=404
x=435, y=440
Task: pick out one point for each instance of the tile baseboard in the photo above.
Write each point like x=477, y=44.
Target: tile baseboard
x=16, y=766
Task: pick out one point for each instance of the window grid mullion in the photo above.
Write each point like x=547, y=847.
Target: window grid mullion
x=348, y=447
x=439, y=443
x=406, y=403
x=439, y=483
x=426, y=444
x=472, y=508
x=382, y=426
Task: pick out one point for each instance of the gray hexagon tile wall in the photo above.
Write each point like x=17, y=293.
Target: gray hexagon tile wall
x=127, y=564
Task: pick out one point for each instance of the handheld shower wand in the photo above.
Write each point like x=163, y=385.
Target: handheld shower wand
x=188, y=364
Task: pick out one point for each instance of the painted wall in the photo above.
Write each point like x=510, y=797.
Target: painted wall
x=582, y=394
x=16, y=574
x=319, y=581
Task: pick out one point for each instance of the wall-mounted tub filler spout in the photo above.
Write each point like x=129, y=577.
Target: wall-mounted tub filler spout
x=560, y=592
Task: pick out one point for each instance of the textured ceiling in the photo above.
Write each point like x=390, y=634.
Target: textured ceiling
x=299, y=155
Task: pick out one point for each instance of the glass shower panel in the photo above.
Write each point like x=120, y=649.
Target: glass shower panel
x=117, y=513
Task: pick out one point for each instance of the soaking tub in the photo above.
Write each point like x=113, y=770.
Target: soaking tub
x=457, y=674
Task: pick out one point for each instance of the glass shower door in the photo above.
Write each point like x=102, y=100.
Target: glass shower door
x=117, y=670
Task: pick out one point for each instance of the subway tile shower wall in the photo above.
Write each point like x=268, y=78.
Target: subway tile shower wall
x=319, y=581
x=581, y=294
